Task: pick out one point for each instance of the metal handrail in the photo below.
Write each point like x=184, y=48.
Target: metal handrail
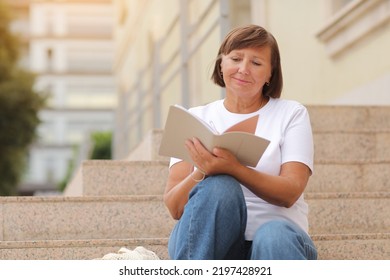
x=134, y=115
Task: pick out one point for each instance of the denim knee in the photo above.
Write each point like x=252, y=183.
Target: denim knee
x=280, y=239
x=213, y=222
x=220, y=188
x=272, y=231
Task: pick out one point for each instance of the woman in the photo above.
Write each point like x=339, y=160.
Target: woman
x=226, y=210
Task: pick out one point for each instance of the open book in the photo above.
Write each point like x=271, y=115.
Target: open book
x=238, y=139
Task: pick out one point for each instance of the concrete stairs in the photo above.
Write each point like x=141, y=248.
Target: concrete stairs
x=80, y=227
x=119, y=203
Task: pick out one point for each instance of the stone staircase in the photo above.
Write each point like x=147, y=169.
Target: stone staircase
x=118, y=204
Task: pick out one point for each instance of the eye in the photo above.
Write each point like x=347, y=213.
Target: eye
x=235, y=58
x=256, y=63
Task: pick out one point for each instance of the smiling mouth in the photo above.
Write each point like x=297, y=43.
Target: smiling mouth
x=241, y=81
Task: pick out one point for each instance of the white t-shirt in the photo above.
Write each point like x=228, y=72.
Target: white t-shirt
x=286, y=124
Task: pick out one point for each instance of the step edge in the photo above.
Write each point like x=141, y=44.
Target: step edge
x=164, y=240
x=79, y=199
x=76, y=243
x=350, y=236
x=346, y=195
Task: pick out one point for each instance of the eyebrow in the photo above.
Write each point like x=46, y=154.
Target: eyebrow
x=241, y=53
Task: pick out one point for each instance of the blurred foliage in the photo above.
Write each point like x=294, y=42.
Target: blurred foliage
x=9, y=44
x=19, y=107
x=100, y=149
x=69, y=171
x=101, y=145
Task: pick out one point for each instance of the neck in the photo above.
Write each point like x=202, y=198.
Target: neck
x=240, y=106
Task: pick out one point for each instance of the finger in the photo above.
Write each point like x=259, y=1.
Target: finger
x=224, y=155
x=194, y=150
x=194, y=154
x=189, y=144
x=200, y=148
x=190, y=148
x=220, y=152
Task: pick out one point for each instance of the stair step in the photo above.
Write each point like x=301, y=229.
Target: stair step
x=60, y=218
x=325, y=120
x=355, y=147
x=67, y=218
x=374, y=246
x=333, y=146
x=337, y=213
x=114, y=177
x=77, y=249
x=369, y=177
x=349, y=118
x=330, y=247
x=108, y=177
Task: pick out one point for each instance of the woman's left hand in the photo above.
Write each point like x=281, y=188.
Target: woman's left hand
x=220, y=161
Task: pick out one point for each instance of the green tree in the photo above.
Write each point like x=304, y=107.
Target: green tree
x=101, y=145
x=19, y=107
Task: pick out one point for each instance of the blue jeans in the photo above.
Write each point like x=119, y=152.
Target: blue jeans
x=213, y=224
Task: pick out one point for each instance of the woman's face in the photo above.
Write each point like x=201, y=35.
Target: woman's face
x=245, y=71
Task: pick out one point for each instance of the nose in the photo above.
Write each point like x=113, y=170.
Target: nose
x=243, y=68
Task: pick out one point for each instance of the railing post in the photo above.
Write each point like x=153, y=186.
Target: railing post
x=140, y=111
x=224, y=20
x=125, y=120
x=185, y=92
x=224, y=23
x=156, y=85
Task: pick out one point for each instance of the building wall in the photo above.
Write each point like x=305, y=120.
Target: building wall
x=333, y=52
x=357, y=74
x=69, y=45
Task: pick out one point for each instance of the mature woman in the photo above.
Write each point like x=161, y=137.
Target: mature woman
x=226, y=210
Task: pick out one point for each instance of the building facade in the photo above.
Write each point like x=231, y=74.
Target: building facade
x=69, y=45
x=333, y=52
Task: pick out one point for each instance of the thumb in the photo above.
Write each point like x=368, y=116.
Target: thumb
x=218, y=152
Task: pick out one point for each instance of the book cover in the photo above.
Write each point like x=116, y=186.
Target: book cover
x=238, y=139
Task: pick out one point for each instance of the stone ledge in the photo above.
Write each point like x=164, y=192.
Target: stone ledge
x=76, y=249
x=113, y=177
x=331, y=247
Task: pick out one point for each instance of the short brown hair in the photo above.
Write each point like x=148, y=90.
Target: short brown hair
x=250, y=36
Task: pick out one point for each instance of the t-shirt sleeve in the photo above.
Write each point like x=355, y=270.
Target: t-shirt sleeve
x=297, y=144
x=174, y=161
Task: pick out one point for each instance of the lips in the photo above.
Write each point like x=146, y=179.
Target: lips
x=241, y=81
